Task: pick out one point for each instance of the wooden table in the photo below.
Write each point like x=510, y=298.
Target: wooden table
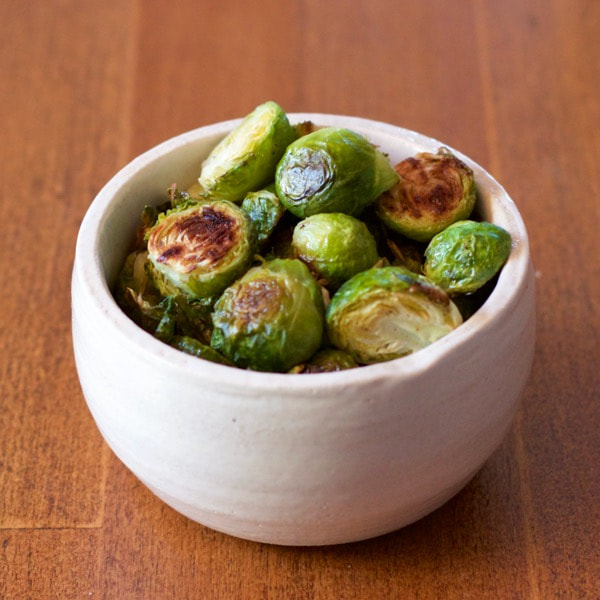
x=85, y=86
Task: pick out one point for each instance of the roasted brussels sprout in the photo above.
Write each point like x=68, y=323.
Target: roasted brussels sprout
x=385, y=313
x=466, y=255
x=335, y=246
x=326, y=361
x=434, y=191
x=270, y=319
x=199, y=249
x=332, y=170
x=245, y=159
x=265, y=210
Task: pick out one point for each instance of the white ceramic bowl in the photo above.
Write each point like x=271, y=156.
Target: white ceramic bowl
x=296, y=459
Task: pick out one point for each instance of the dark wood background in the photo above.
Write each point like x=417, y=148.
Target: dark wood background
x=85, y=86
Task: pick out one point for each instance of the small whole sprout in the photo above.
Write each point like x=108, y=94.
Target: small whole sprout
x=265, y=210
x=434, y=191
x=385, y=313
x=466, y=255
x=332, y=170
x=245, y=159
x=327, y=360
x=335, y=246
x=270, y=319
x=199, y=249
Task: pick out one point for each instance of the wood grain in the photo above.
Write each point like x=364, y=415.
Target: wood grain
x=84, y=87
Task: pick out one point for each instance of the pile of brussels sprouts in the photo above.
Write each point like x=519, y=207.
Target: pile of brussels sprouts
x=301, y=249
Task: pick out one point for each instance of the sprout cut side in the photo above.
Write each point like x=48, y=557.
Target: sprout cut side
x=434, y=191
x=270, y=319
x=199, y=249
x=466, y=255
x=332, y=170
x=245, y=159
x=335, y=246
x=389, y=312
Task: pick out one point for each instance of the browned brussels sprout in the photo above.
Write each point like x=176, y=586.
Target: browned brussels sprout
x=271, y=318
x=200, y=248
x=434, y=191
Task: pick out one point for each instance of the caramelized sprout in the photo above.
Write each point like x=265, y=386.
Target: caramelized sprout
x=466, y=255
x=335, y=246
x=389, y=312
x=434, y=191
x=199, y=249
x=271, y=318
x=245, y=159
x=332, y=170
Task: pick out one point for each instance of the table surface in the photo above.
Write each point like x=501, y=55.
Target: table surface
x=86, y=86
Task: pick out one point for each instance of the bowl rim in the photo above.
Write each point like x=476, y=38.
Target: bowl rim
x=88, y=271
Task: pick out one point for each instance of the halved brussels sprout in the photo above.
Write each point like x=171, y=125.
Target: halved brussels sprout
x=389, y=312
x=271, y=318
x=434, y=191
x=335, y=246
x=466, y=255
x=245, y=159
x=332, y=170
x=265, y=210
x=326, y=361
x=199, y=249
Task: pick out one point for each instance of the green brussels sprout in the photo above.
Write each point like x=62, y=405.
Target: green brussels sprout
x=199, y=249
x=245, y=159
x=332, y=170
x=194, y=347
x=466, y=255
x=326, y=361
x=335, y=246
x=271, y=318
x=265, y=210
x=434, y=191
x=385, y=313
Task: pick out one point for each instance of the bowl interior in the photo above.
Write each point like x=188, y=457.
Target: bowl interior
x=108, y=228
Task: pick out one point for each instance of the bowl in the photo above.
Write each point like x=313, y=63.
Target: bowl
x=296, y=459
